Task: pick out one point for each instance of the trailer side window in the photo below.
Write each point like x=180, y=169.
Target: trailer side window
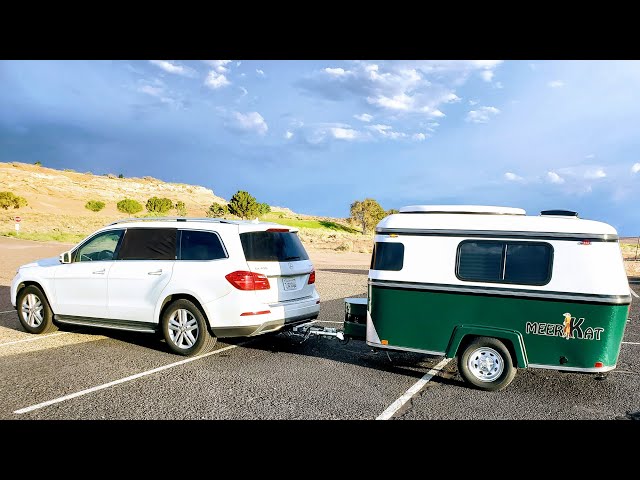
x=387, y=256
x=525, y=263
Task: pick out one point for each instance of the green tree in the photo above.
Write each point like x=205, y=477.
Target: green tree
x=263, y=208
x=129, y=206
x=367, y=213
x=121, y=176
x=243, y=205
x=391, y=211
x=8, y=199
x=217, y=210
x=38, y=164
x=94, y=205
x=159, y=205
x=181, y=208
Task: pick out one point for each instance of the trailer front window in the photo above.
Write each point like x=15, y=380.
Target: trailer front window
x=387, y=256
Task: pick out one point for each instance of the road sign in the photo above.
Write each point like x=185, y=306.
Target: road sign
x=17, y=227
x=18, y=219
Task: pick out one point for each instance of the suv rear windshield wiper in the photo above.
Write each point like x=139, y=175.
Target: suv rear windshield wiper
x=296, y=257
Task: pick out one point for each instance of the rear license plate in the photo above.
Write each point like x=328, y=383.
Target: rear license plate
x=289, y=283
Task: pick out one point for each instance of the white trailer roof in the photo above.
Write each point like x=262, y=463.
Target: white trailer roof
x=475, y=218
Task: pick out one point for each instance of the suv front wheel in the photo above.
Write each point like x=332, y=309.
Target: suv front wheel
x=34, y=311
x=185, y=329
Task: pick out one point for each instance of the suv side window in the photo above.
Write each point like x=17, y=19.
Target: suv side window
x=199, y=245
x=99, y=248
x=148, y=244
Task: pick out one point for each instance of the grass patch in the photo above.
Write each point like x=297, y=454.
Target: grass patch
x=317, y=224
x=46, y=237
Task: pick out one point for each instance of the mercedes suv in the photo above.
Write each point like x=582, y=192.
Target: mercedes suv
x=191, y=279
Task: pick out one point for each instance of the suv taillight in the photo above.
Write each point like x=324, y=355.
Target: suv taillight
x=312, y=277
x=244, y=280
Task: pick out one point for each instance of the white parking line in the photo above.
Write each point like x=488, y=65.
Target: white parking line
x=395, y=406
x=33, y=339
x=8, y=311
x=634, y=293
x=631, y=343
x=116, y=382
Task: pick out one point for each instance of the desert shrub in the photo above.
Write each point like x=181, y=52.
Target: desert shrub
x=38, y=164
x=8, y=199
x=243, y=205
x=181, y=208
x=94, y=205
x=159, y=205
x=121, y=176
x=69, y=170
x=129, y=206
x=217, y=210
x=281, y=215
x=264, y=208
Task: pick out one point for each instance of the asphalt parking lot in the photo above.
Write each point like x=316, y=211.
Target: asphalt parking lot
x=101, y=374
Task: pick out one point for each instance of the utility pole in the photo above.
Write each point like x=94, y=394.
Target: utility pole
x=637, y=249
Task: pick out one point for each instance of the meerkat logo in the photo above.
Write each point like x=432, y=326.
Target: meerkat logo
x=571, y=327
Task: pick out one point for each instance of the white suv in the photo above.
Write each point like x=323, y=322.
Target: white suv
x=192, y=279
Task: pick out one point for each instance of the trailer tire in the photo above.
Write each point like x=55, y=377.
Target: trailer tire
x=486, y=364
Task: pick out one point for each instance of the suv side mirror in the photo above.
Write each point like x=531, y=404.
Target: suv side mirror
x=65, y=257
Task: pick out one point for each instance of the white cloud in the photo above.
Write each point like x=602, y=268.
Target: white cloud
x=533, y=66
x=387, y=131
x=219, y=66
x=513, y=177
x=591, y=155
x=151, y=90
x=251, y=121
x=244, y=91
x=498, y=85
x=556, y=84
x=487, y=75
x=473, y=102
x=597, y=173
x=260, y=72
x=238, y=64
x=398, y=87
x=419, y=136
x=364, y=117
x=481, y=115
x=170, y=67
x=553, y=177
x=343, y=133
x=381, y=129
x=635, y=168
x=336, y=72
x=216, y=80
x=158, y=91
x=288, y=135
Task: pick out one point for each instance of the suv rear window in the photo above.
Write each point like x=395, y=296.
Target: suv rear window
x=272, y=247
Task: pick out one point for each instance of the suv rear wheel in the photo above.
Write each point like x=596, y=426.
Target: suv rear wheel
x=185, y=329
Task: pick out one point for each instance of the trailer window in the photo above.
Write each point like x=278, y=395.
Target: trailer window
x=525, y=263
x=387, y=256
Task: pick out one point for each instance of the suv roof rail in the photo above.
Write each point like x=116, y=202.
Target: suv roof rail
x=171, y=219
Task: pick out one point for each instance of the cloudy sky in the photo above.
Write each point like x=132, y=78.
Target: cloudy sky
x=316, y=135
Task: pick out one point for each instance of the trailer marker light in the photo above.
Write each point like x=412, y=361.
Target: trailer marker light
x=585, y=242
x=393, y=235
x=384, y=342
x=599, y=365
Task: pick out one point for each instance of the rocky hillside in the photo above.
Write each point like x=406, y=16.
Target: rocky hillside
x=49, y=190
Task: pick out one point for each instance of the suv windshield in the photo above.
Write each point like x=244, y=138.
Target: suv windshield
x=272, y=247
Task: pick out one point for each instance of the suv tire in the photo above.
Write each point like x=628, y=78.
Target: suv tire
x=185, y=329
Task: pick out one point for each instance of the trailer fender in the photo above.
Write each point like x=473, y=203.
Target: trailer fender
x=513, y=336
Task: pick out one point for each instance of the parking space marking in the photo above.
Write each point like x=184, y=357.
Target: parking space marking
x=395, y=406
x=634, y=293
x=119, y=381
x=33, y=339
x=9, y=311
x=631, y=343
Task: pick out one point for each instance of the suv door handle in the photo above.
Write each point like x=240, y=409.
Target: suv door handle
x=99, y=272
x=157, y=272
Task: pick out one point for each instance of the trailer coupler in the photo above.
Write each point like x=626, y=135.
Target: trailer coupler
x=304, y=331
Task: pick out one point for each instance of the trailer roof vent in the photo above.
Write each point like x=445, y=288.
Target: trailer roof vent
x=558, y=213
x=469, y=209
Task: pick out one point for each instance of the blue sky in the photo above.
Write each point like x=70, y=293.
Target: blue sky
x=316, y=135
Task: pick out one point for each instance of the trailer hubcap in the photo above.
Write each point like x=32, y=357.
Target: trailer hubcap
x=485, y=364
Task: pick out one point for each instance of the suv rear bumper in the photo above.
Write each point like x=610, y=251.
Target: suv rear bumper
x=280, y=315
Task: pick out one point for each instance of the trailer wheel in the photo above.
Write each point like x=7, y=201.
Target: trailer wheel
x=486, y=364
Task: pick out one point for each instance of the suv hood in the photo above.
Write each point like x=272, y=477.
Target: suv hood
x=44, y=262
